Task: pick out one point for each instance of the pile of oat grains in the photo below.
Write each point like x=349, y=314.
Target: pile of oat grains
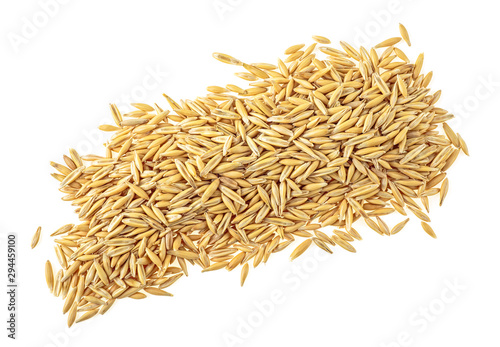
x=225, y=180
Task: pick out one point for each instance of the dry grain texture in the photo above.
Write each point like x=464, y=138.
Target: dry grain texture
x=326, y=137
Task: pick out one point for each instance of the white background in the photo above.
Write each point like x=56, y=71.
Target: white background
x=59, y=71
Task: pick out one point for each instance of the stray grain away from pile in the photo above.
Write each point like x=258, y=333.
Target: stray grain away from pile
x=309, y=148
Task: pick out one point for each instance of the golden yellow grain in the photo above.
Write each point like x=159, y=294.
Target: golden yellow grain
x=156, y=291
x=225, y=58
x=72, y=314
x=418, y=66
x=427, y=228
x=294, y=48
x=344, y=244
x=443, y=191
x=404, y=34
x=70, y=298
x=216, y=89
x=300, y=249
x=398, y=227
x=419, y=214
x=463, y=145
x=244, y=274
x=49, y=275
x=36, y=237
x=321, y=39
x=322, y=245
x=87, y=315
x=216, y=266
x=389, y=42
x=184, y=254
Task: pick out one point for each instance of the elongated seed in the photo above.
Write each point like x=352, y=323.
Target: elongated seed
x=427, y=228
x=36, y=237
x=300, y=249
